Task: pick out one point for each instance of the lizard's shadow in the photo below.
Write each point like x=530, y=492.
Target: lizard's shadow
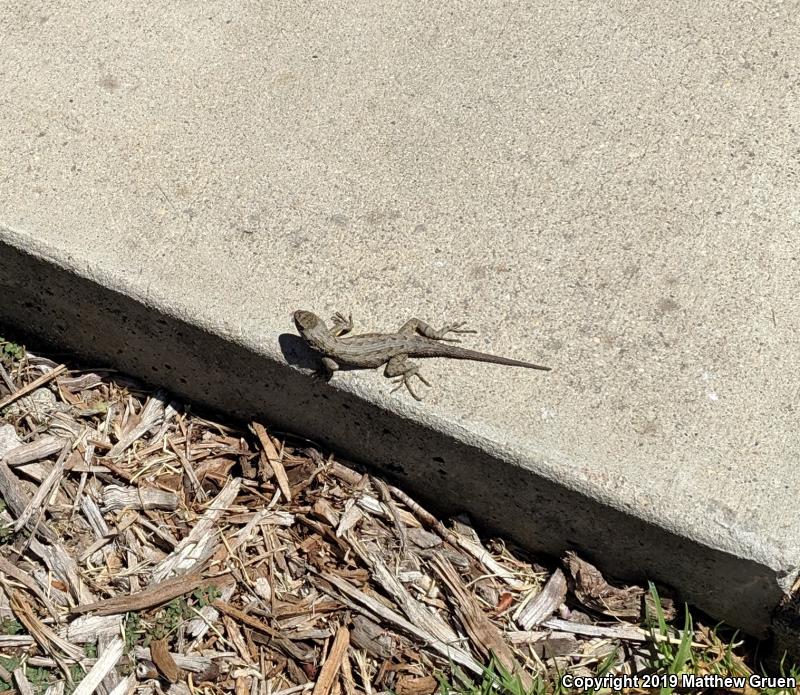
x=296, y=352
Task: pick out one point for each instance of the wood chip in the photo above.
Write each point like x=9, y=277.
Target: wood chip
x=36, y=450
x=43, y=491
x=50, y=642
x=330, y=669
x=417, y=685
x=377, y=609
x=259, y=625
x=154, y=595
x=159, y=653
x=16, y=497
x=596, y=593
x=23, y=685
x=25, y=579
x=196, y=663
x=151, y=416
x=274, y=459
x=86, y=628
x=203, y=538
x=104, y=664
x=481, y=630
x=543, y=604
x=116, y=498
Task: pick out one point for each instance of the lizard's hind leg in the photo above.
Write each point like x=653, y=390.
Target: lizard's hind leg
x=418, y=326
x=399, y=366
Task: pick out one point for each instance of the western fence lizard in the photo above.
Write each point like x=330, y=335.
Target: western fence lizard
x=368, y=350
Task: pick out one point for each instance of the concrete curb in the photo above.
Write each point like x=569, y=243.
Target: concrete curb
x=49, y=295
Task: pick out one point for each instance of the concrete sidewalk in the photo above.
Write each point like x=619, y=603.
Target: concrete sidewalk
x=609, y=190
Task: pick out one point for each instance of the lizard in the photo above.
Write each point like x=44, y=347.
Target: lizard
x=415, y=338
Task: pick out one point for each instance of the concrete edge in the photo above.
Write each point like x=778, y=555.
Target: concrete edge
x=52, y=297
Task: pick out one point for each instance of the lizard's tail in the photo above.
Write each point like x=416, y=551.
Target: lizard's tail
x=459, y=353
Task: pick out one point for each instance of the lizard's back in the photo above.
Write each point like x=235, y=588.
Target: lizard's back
x=374, y=349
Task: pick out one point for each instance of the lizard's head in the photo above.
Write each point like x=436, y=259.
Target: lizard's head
x=305, y=321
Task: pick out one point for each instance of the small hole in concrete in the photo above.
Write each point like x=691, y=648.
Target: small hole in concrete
x=438, y=459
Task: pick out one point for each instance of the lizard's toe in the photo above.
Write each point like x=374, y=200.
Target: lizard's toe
x=458, y=328
x=405, y=380
x=412, y=392
x=423, y=379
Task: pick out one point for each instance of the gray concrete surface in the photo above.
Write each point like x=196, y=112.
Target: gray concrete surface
x=608, y=189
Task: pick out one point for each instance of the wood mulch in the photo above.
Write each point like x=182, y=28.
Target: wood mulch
x=147, y=548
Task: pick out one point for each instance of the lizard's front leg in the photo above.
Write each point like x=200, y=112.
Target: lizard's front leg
x=328, y=367
x=341, y=325
x=400, y=366
x=418, y=326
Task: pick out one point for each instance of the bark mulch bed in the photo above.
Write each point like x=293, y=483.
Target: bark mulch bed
x=143, y=547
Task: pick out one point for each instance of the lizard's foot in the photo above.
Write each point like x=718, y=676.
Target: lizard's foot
x=326, y=369
x=341, y=325
x=405, y=380
x=450, y=328
x=322, y=374
x=417, y=326
x=400, y=367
